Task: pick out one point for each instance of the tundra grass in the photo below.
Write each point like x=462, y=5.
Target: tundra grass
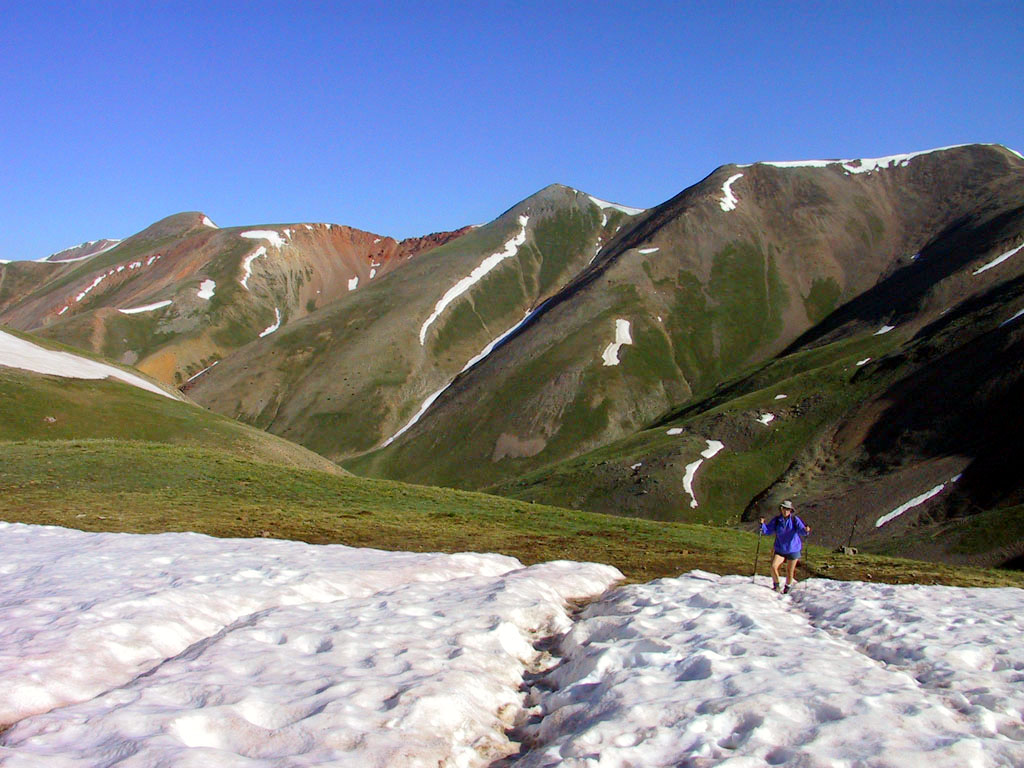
x=36, y=407
x=135, y=487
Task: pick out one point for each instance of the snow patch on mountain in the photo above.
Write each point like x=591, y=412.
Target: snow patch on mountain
x=624, y=208
x=353, y=283
x=109, y=273
x=146, y=308
x=884, y=329
x=914, y=502
x=19, y=353
x=610, y=356
x=247, y=265
x=865, y=361
x=998, y=260
x=416, y=416
x=862, y=165
x=648, y=250
x=270, y=235
x=729, y=200
x=1009, y=320
x=510, y=249
x=781, y=397
x=50, y=260
x=207, y=222
x=674, y=431
x=197, y=375
x=690, y=473
x=480, y=356
x=766, y=418
x=271, y=328
x=85, y=292
x=206, y=289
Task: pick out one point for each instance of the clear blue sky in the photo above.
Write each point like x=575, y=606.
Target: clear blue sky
x=416, y=117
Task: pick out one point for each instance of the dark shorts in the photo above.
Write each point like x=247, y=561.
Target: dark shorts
x=789, y=556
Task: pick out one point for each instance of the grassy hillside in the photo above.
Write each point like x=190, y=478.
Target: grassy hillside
x=818, y=386
x=52, y=408
x=707, y=292
x=107, y=485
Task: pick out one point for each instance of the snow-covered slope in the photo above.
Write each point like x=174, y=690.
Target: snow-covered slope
x=182, y=650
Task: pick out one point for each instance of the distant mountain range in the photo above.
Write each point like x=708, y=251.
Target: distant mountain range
x=847, y=333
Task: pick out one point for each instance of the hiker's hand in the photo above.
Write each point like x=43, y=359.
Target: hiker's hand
x=808, y=528
x=762, y=521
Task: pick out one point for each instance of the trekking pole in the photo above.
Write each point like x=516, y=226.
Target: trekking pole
x=757, y=552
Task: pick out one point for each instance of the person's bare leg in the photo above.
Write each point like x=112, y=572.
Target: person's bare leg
x=776, y=562
x=791, y=571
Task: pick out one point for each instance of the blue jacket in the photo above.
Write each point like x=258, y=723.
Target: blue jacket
x=788, y=533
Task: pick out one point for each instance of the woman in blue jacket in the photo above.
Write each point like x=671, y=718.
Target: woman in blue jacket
x=789, y=531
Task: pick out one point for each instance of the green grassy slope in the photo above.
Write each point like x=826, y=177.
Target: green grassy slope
x=819, y=386
x=103, y=485
x=40, y=407
x=350, y=375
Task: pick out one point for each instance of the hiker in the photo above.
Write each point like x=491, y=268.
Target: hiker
x=788, y=530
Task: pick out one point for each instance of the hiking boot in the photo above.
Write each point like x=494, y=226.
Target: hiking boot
x=786, y=590
x=775, y=587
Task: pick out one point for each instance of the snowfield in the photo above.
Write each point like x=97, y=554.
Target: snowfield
x=183, y=650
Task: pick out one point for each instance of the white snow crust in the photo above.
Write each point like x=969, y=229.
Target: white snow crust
x=197, y=375
x=781, y=397
x=674, y=431
x=207, y=222
x=648, y=250
x=862, y=165
x=247, y=265
x=998, y=260
x=1013, y=317
x=19, y=353
x=50, y=260
x=510, y=249
x=884, y=329
x=766, y=418
x=624, y=208
x=729, y=200
x=707, y=670
x=185, y=650
x=271, y=328
x=271, y=236
x=690, y=473
x=610, y=356
x=865, y=361
x=146, y=308
x=180, y=650
x=206, y=289
x=353, y=283
x=914, y=502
